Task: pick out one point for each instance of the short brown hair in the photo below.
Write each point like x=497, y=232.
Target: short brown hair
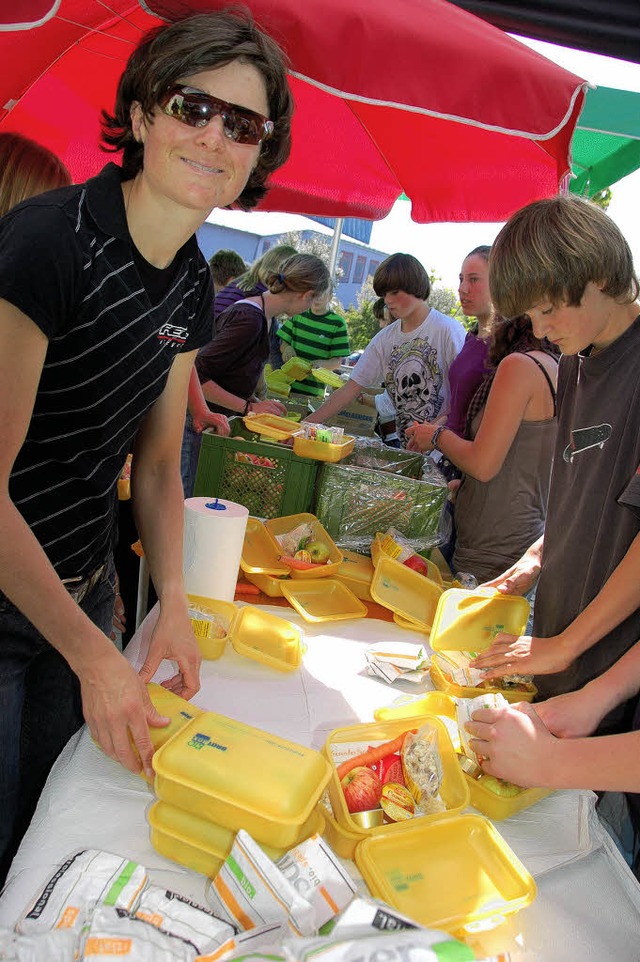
x=168, y=54
x=551, y=249
x=402, y=272
x=226, y=265
x=27, y=169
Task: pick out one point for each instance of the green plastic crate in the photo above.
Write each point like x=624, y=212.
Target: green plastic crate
x=268, y=479
x=354, y=503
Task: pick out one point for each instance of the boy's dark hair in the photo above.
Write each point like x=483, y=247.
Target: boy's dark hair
x=402, y=272
x=168, y=54
x=551, y=249
x=226, y=265
x=378, y=309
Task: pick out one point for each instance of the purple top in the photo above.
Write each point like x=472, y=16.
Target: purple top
x=232, y=293
x=465, y=376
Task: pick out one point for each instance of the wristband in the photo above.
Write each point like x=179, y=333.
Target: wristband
x=246, y=407
x=436, y=434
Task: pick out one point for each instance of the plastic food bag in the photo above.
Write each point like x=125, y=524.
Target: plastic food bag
x=422, y=768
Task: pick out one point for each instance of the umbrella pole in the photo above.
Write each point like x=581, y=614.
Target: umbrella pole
x=335, y=247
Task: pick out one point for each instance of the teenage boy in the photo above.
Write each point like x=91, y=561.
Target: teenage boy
x=319, y=336
x=565, y=264
x=411, y=356
x=104, y=300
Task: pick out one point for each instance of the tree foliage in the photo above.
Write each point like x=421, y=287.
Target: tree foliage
x=602, y=198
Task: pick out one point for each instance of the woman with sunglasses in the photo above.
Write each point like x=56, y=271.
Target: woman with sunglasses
x=104, y=300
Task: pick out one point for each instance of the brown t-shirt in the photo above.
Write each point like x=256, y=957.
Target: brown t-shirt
x=235, y=357
x=593, y=513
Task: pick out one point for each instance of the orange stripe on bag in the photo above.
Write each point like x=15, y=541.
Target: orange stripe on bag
x=225, y=894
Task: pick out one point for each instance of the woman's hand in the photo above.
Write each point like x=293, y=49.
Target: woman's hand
x=419, y=436
x=268, y=407
x=522, y=655
x=173, y=639
x=514, y=744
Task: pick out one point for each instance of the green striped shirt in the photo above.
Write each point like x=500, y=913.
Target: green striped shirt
x=315, y=337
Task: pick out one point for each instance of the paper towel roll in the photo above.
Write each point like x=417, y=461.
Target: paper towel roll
x=213, y=537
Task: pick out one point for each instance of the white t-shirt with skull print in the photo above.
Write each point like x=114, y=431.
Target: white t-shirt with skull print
x=413, y=367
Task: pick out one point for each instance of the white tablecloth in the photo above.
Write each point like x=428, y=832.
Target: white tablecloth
x=588, y=906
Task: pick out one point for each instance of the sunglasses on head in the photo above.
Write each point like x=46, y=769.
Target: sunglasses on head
x=196, y=109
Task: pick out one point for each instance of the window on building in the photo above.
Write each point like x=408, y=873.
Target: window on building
x=265, y=246
x=358, y=273
x=346, y=260
x=373, y=267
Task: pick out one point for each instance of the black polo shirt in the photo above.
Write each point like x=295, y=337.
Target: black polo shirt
x=114, y=325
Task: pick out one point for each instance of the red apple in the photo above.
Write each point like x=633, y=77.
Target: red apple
x=362, y=789
x=417, y=563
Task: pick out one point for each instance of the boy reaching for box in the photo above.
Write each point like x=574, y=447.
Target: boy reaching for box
x=564, y=263
x=411, y=356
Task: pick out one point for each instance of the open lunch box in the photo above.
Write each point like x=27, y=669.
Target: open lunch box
x=445, y=870
x=484, y=799
x=468, y=621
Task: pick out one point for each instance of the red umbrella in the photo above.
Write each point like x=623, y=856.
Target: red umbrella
x=415, y=96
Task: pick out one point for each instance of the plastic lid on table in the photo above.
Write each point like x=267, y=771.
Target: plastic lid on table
x=470, y=620
x=454, y=873
x=267, y=638
x=326, y=599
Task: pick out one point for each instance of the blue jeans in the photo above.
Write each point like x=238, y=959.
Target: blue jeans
x=40, y=709
x=189, y=455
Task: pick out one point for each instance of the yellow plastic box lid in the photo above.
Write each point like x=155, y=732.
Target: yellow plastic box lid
x=454, y=790
x=470, y=620
x=267, y=638
x=483, y=798
x=330, y=378
x=260, y=551
x=323, y=450
x=326, y=599
x=411, y=595
x=452, y=873
x=241, y=777
x=356, y=572
x=277, y=526
x=212, y=637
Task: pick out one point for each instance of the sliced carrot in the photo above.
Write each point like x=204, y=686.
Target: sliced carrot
x=372, y=755
x=244, y=588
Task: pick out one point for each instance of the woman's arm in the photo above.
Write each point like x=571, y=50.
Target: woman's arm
x=114, y=699
x=515, y=383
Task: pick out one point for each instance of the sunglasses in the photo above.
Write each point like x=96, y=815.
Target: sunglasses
x=196, y=109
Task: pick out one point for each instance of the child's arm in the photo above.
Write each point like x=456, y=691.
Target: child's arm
x=514, y=385
x=618, y=598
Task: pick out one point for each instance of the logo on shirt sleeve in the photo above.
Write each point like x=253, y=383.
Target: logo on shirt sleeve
x=171, y=332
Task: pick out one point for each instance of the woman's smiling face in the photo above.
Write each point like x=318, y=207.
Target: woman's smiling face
x=200, y=168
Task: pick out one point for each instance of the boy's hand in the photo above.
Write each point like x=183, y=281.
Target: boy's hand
x=209, y=419
x=514, y=743
x=522, y=655
x=573, y=715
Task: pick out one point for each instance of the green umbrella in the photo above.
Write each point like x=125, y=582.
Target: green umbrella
x=606, y=141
